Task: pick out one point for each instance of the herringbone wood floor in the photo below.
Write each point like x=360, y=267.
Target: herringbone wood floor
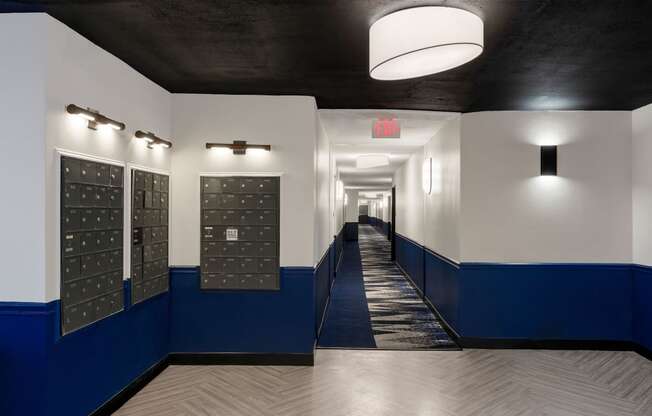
x=405, y=383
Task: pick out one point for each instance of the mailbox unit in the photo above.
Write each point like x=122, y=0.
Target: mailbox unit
x=239, y=233
x=91, y=242
x=149, y=234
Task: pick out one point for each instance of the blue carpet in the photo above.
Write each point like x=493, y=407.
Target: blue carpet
x=347, y=323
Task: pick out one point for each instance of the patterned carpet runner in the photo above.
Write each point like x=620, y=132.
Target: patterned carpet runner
x=399, y=318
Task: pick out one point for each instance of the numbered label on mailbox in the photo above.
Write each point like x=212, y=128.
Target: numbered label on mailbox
x=231, y=234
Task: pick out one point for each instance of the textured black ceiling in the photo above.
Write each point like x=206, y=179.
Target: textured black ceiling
x=539, y=54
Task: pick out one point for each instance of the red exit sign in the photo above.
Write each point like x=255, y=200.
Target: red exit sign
x=386, y=128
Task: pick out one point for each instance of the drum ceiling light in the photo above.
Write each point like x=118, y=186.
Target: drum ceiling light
x=421, y=41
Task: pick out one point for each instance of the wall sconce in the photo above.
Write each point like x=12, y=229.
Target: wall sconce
x=94, y=117
x=426, y=176
x=239, y=147
x=548, y=160
x=152, y=140
x=346, y=199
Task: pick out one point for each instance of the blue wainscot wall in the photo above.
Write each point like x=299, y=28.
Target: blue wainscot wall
x=410, y=256
x=42, y=373
x=242, y=321
x=642, y=306
x=487, y=302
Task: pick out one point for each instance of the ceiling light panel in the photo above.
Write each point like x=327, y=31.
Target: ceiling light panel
x=421, y=41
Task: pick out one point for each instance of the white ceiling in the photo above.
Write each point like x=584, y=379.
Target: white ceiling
x=349, y=131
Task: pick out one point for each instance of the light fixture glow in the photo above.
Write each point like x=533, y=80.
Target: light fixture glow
x=421, y=41
x=152, y=140
x=239, y=147
x=346, y=199
x=371, y=161
x=94, y=118
x=426, y=176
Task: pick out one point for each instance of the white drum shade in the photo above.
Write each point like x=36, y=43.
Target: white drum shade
x=420, y=41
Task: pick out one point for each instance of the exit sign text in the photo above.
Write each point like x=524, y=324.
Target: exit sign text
x=386, y=128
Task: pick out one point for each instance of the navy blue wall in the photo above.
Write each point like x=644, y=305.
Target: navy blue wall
x=440, y=280
x=43, y=373
x=575, y=302
x=410, y=256
x=546, y=301
x=243, y=321
x=322, y=287
x=642, y=308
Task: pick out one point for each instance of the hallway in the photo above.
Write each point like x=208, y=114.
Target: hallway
x=373, y=305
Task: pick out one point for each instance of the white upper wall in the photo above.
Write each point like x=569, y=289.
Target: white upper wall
x=46, y=66
x=642, y=185
x=442, y=206
x=22, y=113
x=287, y=123
x=79, y=72
x=351, y=209
x=512, y=214
x=410, y=198
x=323, y=180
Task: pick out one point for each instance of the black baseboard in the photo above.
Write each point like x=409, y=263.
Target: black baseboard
x=116, y=402
x=642, y=351
x=225, y=358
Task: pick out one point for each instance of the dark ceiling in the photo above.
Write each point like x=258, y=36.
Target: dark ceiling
x=539, y=54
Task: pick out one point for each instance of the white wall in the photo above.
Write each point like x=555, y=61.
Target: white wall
x=287, y=123
x=410, y=198
x=22, y=113
x=511, y=214
x=642, y=185
x=442, y=206
x=81, y=73
x=52, y=66
x=323, y=180
x=351, y=209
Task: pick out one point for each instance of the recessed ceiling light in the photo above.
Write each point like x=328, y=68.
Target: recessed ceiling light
x=371, y=161
x=421, y=41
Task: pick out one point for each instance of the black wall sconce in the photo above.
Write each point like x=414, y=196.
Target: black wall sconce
x=239, y=147
x=94, y=117
x=548, y=160
x=152, y=140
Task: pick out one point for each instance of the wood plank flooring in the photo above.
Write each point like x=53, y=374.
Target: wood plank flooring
x=404, y=383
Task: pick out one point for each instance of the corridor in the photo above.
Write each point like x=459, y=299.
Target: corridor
x=373, y=305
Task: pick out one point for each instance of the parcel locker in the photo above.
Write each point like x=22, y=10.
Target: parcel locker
x=239, y=233
x=116, y=176
x=71, y=195
x=70, y=169
x=71, y=244
x=91, y=232
x=165, y=184
x=87, y=172
x=230, y=185
x=149, y=265
x=115, y=198
x=211, y=185
x=156, y=183
x=265, y=201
